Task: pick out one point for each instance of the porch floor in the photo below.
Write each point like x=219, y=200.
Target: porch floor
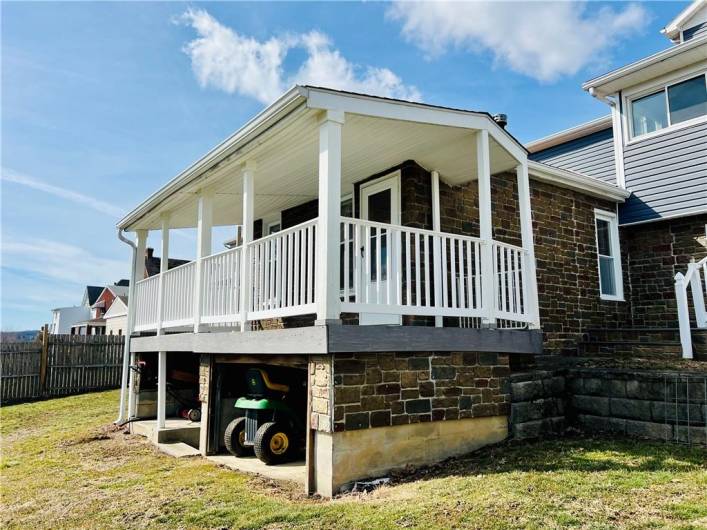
x=292, y=471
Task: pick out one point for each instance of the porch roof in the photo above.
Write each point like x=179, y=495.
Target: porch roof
x=283, y=141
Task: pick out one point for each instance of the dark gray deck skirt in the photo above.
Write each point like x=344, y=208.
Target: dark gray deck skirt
x=344, y=339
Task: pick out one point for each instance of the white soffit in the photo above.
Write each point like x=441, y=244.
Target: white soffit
x=286, y=165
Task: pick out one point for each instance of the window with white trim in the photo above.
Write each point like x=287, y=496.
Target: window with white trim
x=608, y=255
x=672, y=104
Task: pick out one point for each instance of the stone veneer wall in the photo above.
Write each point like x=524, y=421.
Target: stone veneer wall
x=656, y=252
x=368, y=390
x=565, y=246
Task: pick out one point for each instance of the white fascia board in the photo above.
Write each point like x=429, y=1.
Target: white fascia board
x=251, y=130
x=578, y=131
x=672, y=30
x=609, y=84
x=576, y=181
x=393, y=109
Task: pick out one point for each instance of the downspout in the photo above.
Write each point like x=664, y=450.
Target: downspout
x=617, y=128
x=129, y=328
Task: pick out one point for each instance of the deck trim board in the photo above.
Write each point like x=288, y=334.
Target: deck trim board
x=334, y=338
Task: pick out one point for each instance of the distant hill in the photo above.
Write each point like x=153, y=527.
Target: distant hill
x=19, y=336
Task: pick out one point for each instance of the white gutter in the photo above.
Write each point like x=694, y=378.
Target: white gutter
x=254, y=128
x=659, y=57
x=129, y=328
x=576, y=181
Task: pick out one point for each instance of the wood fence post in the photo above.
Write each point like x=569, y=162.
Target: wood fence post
x=43, y=360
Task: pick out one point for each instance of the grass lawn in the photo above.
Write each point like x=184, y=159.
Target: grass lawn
x=62, y=468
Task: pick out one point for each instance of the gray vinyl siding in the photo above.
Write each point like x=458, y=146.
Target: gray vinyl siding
x=667, y=175
x=694, y=31
x=591, y=155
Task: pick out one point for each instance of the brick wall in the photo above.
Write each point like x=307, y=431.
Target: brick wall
x=656, y=252
x=382, y=389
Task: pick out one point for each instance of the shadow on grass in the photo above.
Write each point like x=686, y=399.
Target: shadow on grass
x=580, y=454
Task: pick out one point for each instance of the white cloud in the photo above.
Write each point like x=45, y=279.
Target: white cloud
x=61, y=262
x=237, y=64
x=543, y=40
x=8, y=175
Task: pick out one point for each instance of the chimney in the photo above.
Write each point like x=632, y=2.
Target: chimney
x=149, y=252
x=501, y=119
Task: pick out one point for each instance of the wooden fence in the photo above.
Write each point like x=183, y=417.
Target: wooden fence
x=58, y=365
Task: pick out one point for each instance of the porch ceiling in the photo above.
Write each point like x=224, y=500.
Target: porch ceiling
x=287, y=162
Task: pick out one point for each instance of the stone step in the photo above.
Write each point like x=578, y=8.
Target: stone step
x=632, y=348
x=178, y=449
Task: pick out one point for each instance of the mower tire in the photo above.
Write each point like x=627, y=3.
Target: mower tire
x=234, y=438
x=274, y=443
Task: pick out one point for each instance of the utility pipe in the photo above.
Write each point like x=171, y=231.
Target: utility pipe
x=129, y=328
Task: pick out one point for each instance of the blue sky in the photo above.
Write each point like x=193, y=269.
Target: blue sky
x=104, y=102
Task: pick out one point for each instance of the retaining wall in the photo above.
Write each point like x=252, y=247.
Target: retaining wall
x=669, y=406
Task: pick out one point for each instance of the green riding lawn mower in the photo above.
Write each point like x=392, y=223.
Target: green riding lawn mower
x=267, y=422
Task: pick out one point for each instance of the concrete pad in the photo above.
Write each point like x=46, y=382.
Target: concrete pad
x=176, y=430
x=178, y=450
x=292, y=471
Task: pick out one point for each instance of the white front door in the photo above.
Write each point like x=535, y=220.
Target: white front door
x=380, y=202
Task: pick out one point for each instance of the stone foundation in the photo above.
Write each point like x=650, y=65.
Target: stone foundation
x=372, y=412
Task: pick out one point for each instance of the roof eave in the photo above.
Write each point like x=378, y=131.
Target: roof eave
x=567, y=135
x=577, y=181
x=266, y=118
x=600, y=82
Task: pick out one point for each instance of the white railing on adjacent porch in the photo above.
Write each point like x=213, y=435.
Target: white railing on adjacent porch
x=282, y=273
x=696, y=279
x=385, y=269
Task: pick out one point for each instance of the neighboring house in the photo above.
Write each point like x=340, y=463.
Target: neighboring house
x=64, y=318
x=402, y=259
x=96, y=323
x=116, y=317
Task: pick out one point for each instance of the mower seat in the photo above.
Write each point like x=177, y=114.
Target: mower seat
x=259, y=384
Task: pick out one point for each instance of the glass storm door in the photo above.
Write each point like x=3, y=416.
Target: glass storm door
x=380, y=202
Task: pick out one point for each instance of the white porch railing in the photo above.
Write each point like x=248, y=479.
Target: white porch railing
x=696, y=279
x=385, y=269
x=409, y=271
x=283, y=273
x=146, y=310
x=221, y=275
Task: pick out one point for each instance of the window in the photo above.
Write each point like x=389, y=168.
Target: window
x=670, y=105
x=608, y=256
x=274, y=227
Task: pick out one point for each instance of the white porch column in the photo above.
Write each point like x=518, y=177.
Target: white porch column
x=205, y=214
x=138, y=274
x=248, y=176
x=526, y=231
x=437, y=227
x=327, y=266
x=162, y=355
x=488, y=280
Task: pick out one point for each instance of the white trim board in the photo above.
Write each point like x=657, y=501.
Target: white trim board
x=576, y=181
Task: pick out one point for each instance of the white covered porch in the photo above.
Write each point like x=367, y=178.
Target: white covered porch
x=321, y=144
